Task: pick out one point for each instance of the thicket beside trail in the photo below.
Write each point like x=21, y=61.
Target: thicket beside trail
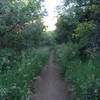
x=21, y=58
x=78, y=52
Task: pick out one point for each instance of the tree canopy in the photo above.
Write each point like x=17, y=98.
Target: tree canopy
x=16, y=17
x=80, y=22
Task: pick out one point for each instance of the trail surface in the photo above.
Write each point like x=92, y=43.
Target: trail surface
x=50, y=85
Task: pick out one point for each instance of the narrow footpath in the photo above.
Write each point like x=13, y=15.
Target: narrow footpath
x=50, y=85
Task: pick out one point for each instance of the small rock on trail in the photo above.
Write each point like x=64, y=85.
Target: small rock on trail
x=50, y=85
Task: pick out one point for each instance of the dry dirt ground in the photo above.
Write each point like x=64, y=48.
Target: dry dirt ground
x=50, y=85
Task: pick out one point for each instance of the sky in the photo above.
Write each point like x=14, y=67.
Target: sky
x=51, y=19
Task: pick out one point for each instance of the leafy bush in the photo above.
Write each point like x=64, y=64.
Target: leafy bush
x=86, y=34
x=14, y=40
x=8, y=58
x=17, y=82
x=66, y=53
x=86, y=28
x=84, y=76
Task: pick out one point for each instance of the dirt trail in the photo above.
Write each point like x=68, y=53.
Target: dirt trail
x=50, y=85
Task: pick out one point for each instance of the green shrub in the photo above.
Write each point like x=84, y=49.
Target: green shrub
x=17, y=82
x=66, y=54
x=8, y=58
x=86, y=28
x=86, y=34
x=13, y=40
x=84, y=76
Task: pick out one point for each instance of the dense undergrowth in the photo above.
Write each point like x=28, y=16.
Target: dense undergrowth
x=78, y=29
x=83, y=75
x=21, y=36
x=18, y=71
